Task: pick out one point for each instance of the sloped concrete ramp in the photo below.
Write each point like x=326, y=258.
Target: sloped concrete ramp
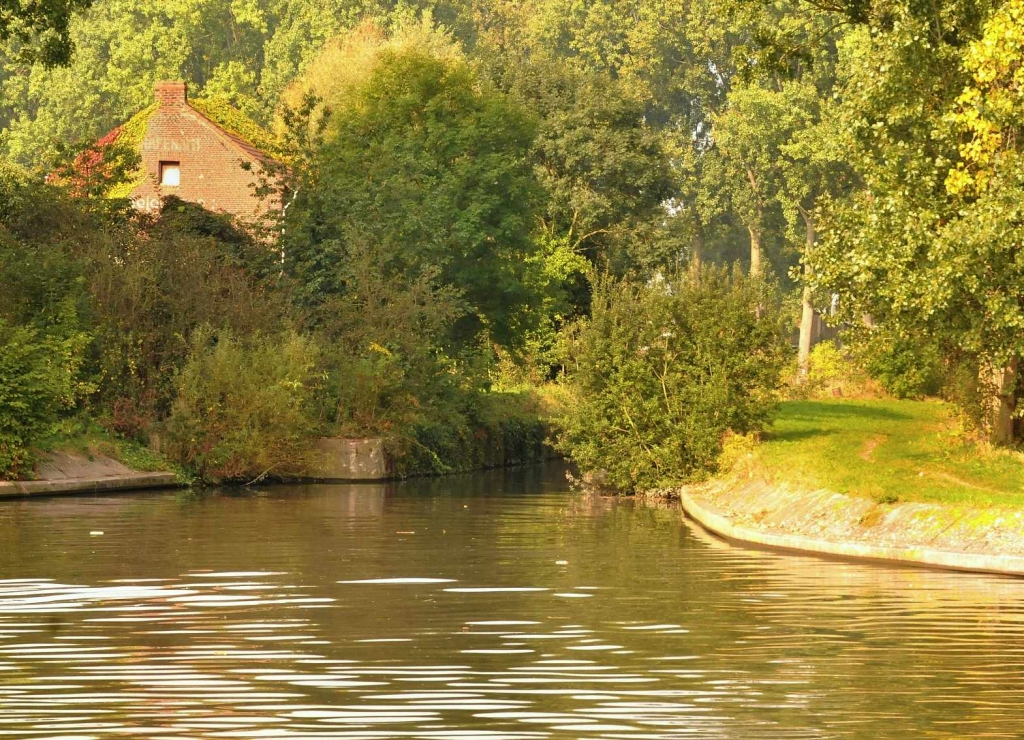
x=63, y=472
x=833, y=524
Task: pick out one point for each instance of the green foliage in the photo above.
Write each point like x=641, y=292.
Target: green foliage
x=39, y=379
x=872, y=364
x=962, y=386
x=431, y=168
x=833, y=370
x=390, y=363
x=604, y=168
x=243, y=406
x=346, y=62
x=152, y=292
x=130, y=293
x=750, y=135
x=828, y=365
x=39, y=31
x=737, y=452
x=497, y=429
x=130, y=136
x=393, y=371
x=661, y=371
x=220, y=111
x=905, y=368
x=82, y=435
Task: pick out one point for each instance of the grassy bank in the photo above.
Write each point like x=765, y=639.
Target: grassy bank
x=83, y=438
x=888, y=450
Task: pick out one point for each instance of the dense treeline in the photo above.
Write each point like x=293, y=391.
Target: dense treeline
x=466, y=177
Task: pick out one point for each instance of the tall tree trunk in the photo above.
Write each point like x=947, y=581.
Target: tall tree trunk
x=1004, y=403
x=756, y=237
x=756, y=250
x=807, y=314
x=803, y=357
x=696, y=254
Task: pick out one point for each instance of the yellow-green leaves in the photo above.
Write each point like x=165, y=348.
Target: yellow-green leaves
x=990, y=110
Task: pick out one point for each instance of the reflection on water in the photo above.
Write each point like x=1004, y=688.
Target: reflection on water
x=492, y=606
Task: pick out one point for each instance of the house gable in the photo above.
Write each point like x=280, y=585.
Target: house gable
x=186, y=154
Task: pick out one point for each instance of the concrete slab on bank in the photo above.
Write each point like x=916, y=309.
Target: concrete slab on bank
x=106, y=484
x=367, y=460
x=65, y=472
x=340, y=459
x=721, y=524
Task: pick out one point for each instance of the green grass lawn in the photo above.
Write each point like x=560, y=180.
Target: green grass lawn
x=889, y=450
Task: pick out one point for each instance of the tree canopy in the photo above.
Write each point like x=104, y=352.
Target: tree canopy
x=495, y=156
x=39, y=31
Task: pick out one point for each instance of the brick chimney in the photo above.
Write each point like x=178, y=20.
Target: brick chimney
x=170, y=94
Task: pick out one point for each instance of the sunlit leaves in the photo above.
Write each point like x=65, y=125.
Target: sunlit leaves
x=990, y=111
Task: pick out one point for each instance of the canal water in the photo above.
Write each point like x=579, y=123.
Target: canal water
x=498, y=606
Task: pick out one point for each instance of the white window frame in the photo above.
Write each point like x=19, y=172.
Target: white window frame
x=170, y=174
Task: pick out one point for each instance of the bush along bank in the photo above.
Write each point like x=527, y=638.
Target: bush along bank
x=439, y=449
x=181, y=333
x=663, y=370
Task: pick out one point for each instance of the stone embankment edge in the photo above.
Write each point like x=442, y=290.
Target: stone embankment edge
x=136, y=482
x=719, y=524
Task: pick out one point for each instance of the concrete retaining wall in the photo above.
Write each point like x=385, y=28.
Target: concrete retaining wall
x=122, y=482
x=348, y=460
x=722, y=525
x=340, y=459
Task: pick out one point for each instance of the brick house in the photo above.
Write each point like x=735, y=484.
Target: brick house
x=189, y=150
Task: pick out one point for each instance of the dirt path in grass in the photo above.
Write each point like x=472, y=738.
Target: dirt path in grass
x=868, y=451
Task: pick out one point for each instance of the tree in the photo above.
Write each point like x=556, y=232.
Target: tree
x=603, y=168
x=784, y=60
x=432, y=168
x=748, y=134
x=989, y=182
x=813, y=170
x=40, y=31
x=918, y=246
x=989, y=113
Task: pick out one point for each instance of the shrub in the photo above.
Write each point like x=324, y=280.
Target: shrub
x=971, y=397
x=150, y=295
x=833, y=370
x=828, y=365
x=39, y=377
x=242, y=410
x=391, y=365
x=872, y=363
x=905, y=368
x=494, y=430
x=661, y=371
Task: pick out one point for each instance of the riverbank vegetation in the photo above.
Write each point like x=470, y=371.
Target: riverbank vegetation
x=638, y=202
x=661, y=371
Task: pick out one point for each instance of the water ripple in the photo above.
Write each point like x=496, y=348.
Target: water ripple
x=299, y=613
